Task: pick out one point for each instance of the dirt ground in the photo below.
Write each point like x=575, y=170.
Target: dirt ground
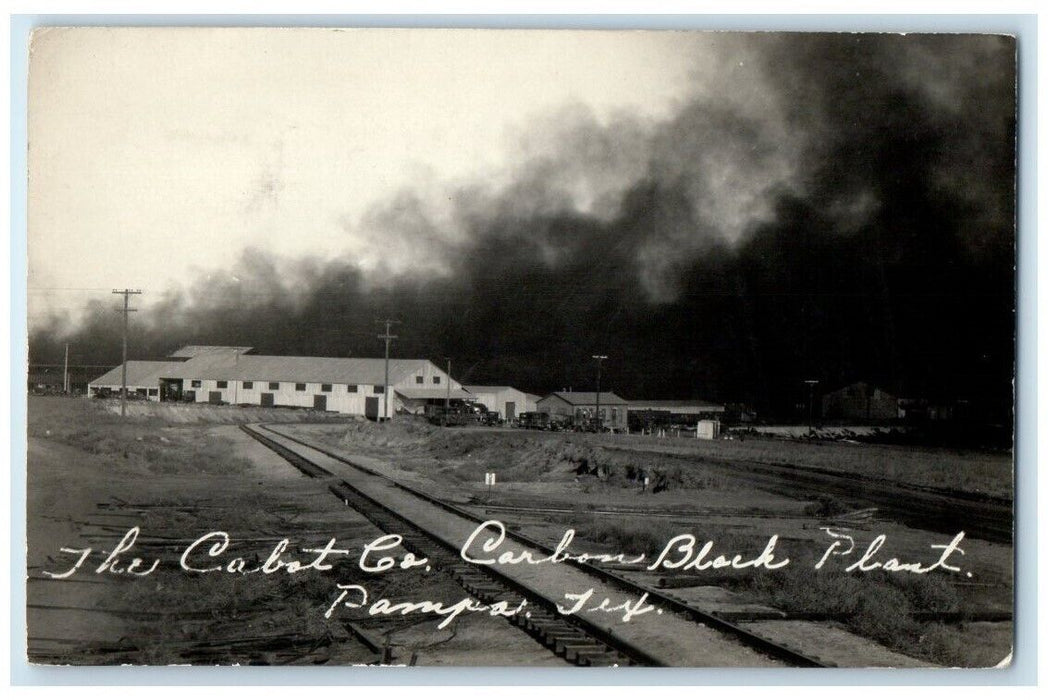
x=92, y=477
x=549, y=482
x=177, y=474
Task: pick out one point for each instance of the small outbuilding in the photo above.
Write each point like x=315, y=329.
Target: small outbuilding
x=504, y=400
x=582, y=405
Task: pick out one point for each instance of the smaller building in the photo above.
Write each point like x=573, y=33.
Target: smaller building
x=582, y=405
x=504, y=400
x=860, y=401
x=659, y=413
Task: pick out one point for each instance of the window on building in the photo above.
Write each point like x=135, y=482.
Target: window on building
x=300, y=386
x=436, y=379
x=222, y=384
x=351, y=388
x=325, y=387
x=420, y=379
x=154, y=392
x=249, y=385
x=195, y=383
x=379, y=389
x=274, y=385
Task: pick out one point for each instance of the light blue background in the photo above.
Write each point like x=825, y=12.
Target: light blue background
x=1023, y=670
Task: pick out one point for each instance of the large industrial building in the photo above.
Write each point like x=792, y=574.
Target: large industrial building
x=233, y=375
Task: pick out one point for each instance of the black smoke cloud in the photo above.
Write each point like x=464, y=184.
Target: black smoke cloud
x=838, y=207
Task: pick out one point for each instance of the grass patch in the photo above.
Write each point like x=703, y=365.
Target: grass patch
x=876, y=606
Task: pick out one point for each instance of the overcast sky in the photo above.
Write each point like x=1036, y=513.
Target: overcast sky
x=157, y=151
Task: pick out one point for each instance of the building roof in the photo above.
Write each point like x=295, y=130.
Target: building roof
x=586, y=398
x=675, y=405
x=230, y=363
x=433, y=393
x=141, y=373
x=329, y=370
x=188, y=351
x=866, y=388
x=484, y=389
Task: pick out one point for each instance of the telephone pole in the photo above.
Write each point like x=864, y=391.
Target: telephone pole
x=447, y=395
x=123, y=366
x=385, y=387
x=812, y=383
x=65, y=372
x=599, y=359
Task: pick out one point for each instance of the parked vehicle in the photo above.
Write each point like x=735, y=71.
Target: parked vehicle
x=535, y=420
x=452, y=416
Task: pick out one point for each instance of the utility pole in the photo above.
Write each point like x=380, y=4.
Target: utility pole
x=447, y=395
x=123, y=366
x=599, y=359
x=385, y=387
x=811, y=402
x=65, y=372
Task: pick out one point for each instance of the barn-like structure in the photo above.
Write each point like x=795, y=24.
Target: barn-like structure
x=234, y=375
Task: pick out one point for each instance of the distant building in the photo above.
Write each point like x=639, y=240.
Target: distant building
x=739, y=413
x=50, y=379
x=614, y=410
x=860, y=402
x=505, y=400
x=232, y=375
x=660, y=412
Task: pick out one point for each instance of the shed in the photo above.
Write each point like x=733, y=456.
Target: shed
x=614, y=409
x=505, y=400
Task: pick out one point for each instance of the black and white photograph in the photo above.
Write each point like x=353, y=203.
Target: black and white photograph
x=534, y=348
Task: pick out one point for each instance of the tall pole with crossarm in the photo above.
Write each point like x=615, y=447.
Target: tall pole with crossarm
x=599, y=359
x=123, y=366
x=812, y=383
x=447, y=394
x=385, y=387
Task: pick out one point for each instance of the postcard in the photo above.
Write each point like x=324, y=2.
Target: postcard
x=533, y=348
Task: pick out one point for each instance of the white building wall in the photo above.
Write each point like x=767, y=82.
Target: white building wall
x=497, y=400
x=339, y=398
x=427, y=372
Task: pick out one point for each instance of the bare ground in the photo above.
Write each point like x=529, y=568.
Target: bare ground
x=547, y=483
x=176, y=471
x=91, y=477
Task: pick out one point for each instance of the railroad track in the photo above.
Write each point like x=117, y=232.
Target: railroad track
x=571, y=637
x=941, y=510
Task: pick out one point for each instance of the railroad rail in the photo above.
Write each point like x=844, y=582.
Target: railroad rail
x=577, y=640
